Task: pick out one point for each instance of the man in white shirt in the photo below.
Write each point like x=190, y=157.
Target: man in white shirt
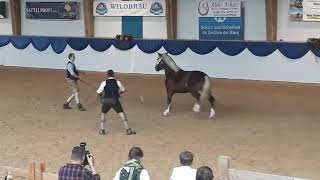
x=132, y=169
x=109, y=92
x=184, y=172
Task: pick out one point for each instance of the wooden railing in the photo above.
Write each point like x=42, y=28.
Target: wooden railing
x=35, y=171
x=225, y=173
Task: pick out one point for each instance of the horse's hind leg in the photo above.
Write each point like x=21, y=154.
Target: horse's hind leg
x=169, y=97
x=196, y=106
x=212, y=103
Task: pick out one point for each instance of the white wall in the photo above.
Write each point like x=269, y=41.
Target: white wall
x=255, y=22
x=5, y=24
x=155, y=27
x=52, y=27
x=294, y=31
x=107, y=26
x=187, y=20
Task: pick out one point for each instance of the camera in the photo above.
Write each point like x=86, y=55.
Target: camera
x=83, y=147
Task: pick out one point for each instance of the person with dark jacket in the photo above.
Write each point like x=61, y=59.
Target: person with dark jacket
x=72, y=80
x=109, y=92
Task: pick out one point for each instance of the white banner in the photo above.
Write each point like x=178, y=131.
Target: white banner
x=311, y=10
x=129, y=8
x=219, y=8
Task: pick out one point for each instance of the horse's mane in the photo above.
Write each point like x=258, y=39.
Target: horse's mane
x=169, y=61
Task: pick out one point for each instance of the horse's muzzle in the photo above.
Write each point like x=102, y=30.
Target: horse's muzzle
x=157, y=68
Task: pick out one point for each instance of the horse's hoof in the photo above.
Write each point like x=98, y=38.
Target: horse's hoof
x=196, y=108
x=212, y=114
x=165, y=114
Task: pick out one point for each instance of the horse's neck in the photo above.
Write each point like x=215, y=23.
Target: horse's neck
x=171, y=74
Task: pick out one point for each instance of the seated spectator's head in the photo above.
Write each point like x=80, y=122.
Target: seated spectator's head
x=77, y=155
x=204, y=173
x=135, y=153
x=186, y=158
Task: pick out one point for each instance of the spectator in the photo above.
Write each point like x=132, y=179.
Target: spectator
x=76, y=170
x=204, y=173
x=184, y=172
x=132, y=169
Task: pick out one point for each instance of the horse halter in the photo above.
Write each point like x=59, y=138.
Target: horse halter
x=159, y=63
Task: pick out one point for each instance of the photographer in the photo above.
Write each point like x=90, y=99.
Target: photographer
x=76, y=169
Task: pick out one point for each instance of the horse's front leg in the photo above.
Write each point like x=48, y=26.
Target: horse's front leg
x=169, y=97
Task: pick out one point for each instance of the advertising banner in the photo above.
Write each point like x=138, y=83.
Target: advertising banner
x=304, y=10
x=311, y=10
x=129, y=8
x=221, y=28
x=52, y=10
x=219, y=8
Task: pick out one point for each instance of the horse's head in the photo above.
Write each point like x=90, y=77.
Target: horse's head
x=165, y=62
x=160, y=63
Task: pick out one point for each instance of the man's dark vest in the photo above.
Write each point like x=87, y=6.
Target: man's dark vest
x=111, y=89
x=69, y=76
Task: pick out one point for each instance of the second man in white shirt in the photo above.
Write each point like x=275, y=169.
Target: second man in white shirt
x=109, y=92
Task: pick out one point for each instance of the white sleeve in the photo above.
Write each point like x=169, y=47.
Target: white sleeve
x=70, y=69
x=101, y=87
x=144, y=175
x=117, y=176
x=121, y=87
x=172, y=176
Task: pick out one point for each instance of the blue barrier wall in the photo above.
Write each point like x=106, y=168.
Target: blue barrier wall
x=293, y=62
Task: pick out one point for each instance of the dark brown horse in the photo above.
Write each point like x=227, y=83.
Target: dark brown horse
x=196, y=83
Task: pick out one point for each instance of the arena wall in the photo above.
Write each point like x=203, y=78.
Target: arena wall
x=274, y=67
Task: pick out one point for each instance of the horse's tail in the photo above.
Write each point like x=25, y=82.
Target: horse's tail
x=206, y=89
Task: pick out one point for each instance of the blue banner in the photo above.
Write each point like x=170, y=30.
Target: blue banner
x=52, y=10
x=175, y=47
x=221, y=28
